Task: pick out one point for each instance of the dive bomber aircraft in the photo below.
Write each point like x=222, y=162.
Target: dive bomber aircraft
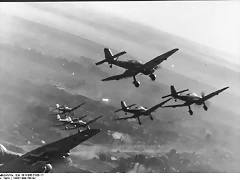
x=141, y=111
x=191, y=98
x=134, y=67
x=64, y=109
x=40, y=159
x=69, y=119
x=78, y=124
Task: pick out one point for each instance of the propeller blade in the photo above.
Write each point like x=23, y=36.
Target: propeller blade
x=202, y=94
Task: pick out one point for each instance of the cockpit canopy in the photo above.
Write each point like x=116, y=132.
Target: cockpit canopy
x=192, y=94
x=135, y=61
x=140, y=107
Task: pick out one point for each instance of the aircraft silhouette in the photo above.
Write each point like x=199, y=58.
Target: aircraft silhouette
x=141, y=111
x=39, y=160
x=192, y=98
x=135, y=67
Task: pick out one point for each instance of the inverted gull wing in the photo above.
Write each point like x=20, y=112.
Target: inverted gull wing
x=90, y=122
x=213, y=94
x=158, y=106
x=174, y=106
x=78, y=106
x=126, y=74
x=158, y=60
x=48, y=153
x=124, y=118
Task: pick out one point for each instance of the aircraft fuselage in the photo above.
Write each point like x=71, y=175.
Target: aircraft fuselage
x=190, y=99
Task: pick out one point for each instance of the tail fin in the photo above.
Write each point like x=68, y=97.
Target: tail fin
x=173, y=91
x=108, y=57
x=58, y=117
x=124, y=105
x=108, y=54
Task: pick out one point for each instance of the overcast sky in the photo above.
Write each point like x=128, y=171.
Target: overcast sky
x=214, y=23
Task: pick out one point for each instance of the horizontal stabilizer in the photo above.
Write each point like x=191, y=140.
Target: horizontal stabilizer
x=100, y=62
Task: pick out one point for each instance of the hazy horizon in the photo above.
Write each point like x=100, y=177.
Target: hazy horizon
x=214, y=24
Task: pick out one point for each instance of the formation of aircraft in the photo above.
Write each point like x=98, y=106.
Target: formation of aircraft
x=192, y=98
x=42, y=158
x=134, y=67
x=39, y=160
x=140, y=111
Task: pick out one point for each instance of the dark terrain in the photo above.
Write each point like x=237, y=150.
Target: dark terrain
x=36, y=72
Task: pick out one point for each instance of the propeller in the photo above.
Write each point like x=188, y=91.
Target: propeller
x=157, y=67
x=207, y=103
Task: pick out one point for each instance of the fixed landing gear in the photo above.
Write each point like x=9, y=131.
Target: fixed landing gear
x=151, y=117
x=152, y=76
x=139, y=122
x=190, y=110
x=47, y=168
x=205, y=107
x=135, y=82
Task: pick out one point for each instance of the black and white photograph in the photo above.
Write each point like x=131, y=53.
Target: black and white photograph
x=120, y=87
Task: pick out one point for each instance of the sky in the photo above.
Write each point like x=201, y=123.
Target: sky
x=215, y=23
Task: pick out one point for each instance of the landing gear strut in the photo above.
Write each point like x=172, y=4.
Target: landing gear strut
x=135, y=82
x=139, y=122
x=151, y=117
x=205, y=107
x=190, y=110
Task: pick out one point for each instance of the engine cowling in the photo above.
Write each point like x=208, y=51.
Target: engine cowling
x=47, y=168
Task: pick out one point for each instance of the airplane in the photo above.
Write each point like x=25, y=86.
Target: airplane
x=192, y=98
x=134, y=67
x=69, y=119
x=64, y=109
x=39, y=160
x=141, y=111
x=109, y=57
x=79, y=124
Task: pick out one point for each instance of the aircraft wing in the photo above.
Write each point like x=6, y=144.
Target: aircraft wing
x=177, y=105
x=48, y=153
x=158, y=105
x=213, y=94
x=124, y=118
x=78, y=106
x=158, y=60
x=80, y=118
x=90, y=122
x=126, y=74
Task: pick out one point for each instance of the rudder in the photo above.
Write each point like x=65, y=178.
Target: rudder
x=108, y=54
